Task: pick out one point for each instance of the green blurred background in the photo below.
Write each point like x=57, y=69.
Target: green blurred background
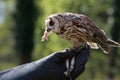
x=22, y=25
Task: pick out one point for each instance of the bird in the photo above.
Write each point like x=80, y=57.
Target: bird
x=78, y=29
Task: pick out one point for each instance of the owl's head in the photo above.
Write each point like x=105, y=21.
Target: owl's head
x=52, y=24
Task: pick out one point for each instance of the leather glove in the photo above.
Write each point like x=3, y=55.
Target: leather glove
x=51, y=67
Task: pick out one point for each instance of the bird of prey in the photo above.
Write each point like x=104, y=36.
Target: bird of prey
x=78, y=29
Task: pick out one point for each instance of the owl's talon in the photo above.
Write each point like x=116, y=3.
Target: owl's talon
x=70, y=49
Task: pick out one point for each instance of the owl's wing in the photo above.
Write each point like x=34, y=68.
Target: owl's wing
x=86, y=26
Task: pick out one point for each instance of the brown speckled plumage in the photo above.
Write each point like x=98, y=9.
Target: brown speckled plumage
x=79, y=29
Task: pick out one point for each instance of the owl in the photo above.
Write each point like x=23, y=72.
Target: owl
x=78, y=29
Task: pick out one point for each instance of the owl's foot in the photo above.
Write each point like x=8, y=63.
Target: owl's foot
x=84, y=46
x=77, y=48
x=73, y=48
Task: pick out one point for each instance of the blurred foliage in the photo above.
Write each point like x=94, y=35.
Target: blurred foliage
x=99, y=10
x=24, y=17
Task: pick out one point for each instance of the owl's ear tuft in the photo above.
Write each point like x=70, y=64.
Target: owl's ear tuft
x=51, y=23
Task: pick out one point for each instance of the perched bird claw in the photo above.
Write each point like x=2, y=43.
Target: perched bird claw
x=70, y=50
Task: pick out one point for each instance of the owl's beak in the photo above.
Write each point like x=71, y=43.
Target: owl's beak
x=48, y=29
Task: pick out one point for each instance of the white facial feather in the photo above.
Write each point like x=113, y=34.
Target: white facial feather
x=55, y=24
x=47, y=21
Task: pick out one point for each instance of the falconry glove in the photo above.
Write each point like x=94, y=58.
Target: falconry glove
x=51, y=67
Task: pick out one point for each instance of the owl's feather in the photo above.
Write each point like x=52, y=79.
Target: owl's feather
x=93, y=45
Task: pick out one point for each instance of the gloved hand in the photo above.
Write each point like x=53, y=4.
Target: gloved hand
x=51, y=67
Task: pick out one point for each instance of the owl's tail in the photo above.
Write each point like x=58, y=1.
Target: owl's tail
x=105, y=46
x=113, y=43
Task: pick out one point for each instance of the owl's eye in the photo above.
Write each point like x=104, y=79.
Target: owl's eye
x=51, y=23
